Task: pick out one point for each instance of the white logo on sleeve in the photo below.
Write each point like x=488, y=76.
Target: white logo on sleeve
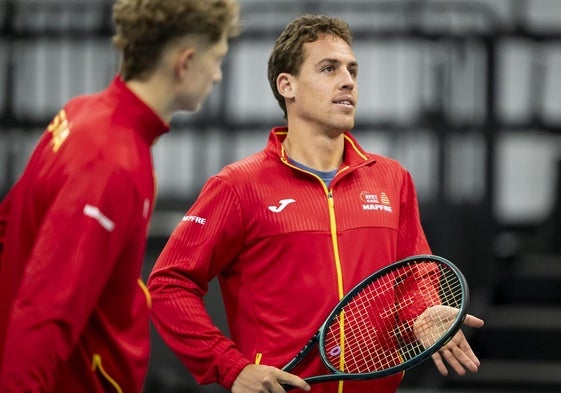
x=283, y=203
x=96, y=214
x=195, y=219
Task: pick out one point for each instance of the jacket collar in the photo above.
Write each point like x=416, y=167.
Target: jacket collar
x=354, y=155
x=133, y=112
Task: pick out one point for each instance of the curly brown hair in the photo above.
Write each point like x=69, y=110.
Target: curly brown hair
x=144, y=27
x=288, y=51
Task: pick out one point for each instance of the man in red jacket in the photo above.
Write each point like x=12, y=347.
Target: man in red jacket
x=74, y=313
x=289, y=230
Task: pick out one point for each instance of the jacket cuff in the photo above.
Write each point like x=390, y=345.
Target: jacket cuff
x=234, y=364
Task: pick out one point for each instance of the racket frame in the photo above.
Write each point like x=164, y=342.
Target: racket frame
x=319, y=336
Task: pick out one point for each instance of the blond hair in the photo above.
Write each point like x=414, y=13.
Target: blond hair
x=144, y=27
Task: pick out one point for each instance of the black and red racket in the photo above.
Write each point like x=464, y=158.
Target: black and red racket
x=391, y=321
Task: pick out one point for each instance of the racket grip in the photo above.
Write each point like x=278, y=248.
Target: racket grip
x=287, y=387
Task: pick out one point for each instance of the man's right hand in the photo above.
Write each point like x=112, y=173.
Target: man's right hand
x=266, y=379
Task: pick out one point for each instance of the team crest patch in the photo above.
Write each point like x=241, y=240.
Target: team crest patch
x=371, y=201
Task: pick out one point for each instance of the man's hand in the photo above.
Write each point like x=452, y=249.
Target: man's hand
x=266, y=379
x=457, y=352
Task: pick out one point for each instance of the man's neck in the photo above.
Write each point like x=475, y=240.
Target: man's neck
x=155, y=93
x=317, y=151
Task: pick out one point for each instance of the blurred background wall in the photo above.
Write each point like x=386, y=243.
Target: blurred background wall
x=465, y=93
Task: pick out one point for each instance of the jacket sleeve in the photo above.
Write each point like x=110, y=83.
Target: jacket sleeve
x=74, y=253
x=205, y=241
x=411, y=236
x=423, y=284
x=416, y=293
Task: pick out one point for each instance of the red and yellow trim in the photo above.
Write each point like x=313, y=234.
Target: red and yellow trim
x=97, y=366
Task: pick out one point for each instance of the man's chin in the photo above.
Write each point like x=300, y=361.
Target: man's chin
x=346, y=122
x=347, y=125
x=194, y=108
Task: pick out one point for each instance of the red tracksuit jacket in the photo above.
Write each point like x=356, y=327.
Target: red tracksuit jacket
x=285, y=249
x=74, y=314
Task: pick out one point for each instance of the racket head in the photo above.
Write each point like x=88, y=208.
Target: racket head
x=394, y=319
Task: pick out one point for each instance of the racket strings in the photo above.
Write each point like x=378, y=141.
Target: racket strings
x=394, y=318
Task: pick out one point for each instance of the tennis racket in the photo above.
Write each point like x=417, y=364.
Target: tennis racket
x=391, y=321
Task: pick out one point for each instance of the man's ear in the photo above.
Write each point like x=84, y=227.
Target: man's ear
x=183, y=60
x=286, y=85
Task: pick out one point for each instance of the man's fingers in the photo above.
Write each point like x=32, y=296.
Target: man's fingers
x=465, y=359
x=468, y=353
x=453, y=361
x=293, y=380
x=459, y=355
x=473, y=321
x=440, y=366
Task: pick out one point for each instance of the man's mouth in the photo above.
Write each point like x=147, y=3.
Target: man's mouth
x=345, y=102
